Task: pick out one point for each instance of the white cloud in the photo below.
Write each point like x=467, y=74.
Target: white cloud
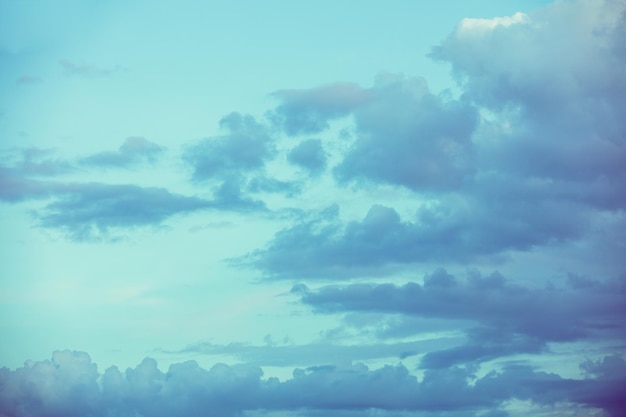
x=472, y=26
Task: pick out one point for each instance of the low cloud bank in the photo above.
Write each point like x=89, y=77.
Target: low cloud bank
x=70, y=385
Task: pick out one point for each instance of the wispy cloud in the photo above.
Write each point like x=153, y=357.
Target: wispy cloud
x=318, y=354
x=134, y=150
x=88, y=69
x=28, y=79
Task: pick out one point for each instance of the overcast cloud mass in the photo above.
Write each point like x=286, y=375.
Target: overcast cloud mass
x=312, y=209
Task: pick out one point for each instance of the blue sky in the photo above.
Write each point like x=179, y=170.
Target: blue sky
x=312, y=208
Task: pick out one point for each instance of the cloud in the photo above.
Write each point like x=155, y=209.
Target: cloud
x=87, y=211
x=457, y=229
x=91, y=210
x=316, y=354
x=530, y=156
x=263, y=184
x=229, y=196
x=405, y=134
x=94, y=210
x=135, y=149
x=88, y=70
x=245, y=148
x=307, y=111
x=35, y=162
x=28, y=79
x=553, y=81
x=308, y=154
x=508, y=318
x=70, y=385
x=478, y=27
x=408, y=136
x=14, y=187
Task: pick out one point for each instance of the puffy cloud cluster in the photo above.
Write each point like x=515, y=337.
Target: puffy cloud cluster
x=555, y=80
x=237, y=160
x=69, y=385
x=94, y=210
x=406, y=135
x=531, y=154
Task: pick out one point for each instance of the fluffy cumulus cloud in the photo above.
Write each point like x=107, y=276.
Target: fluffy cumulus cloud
x=70, y=385
x=555, y=78
x=505, y=318
x=531, y=154
x=246, y=147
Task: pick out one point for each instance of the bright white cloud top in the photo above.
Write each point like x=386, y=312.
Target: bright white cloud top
x=277, y=209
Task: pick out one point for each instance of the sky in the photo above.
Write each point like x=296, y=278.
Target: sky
x=313, y=208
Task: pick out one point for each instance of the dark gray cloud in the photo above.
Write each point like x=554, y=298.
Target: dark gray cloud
x=308, y=111
x=245, y=148
x=70, y=385
x=508, y=318
x=309, y=154
x=134, y=150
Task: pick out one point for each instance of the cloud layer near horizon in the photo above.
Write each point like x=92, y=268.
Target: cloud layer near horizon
x=70, y=385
